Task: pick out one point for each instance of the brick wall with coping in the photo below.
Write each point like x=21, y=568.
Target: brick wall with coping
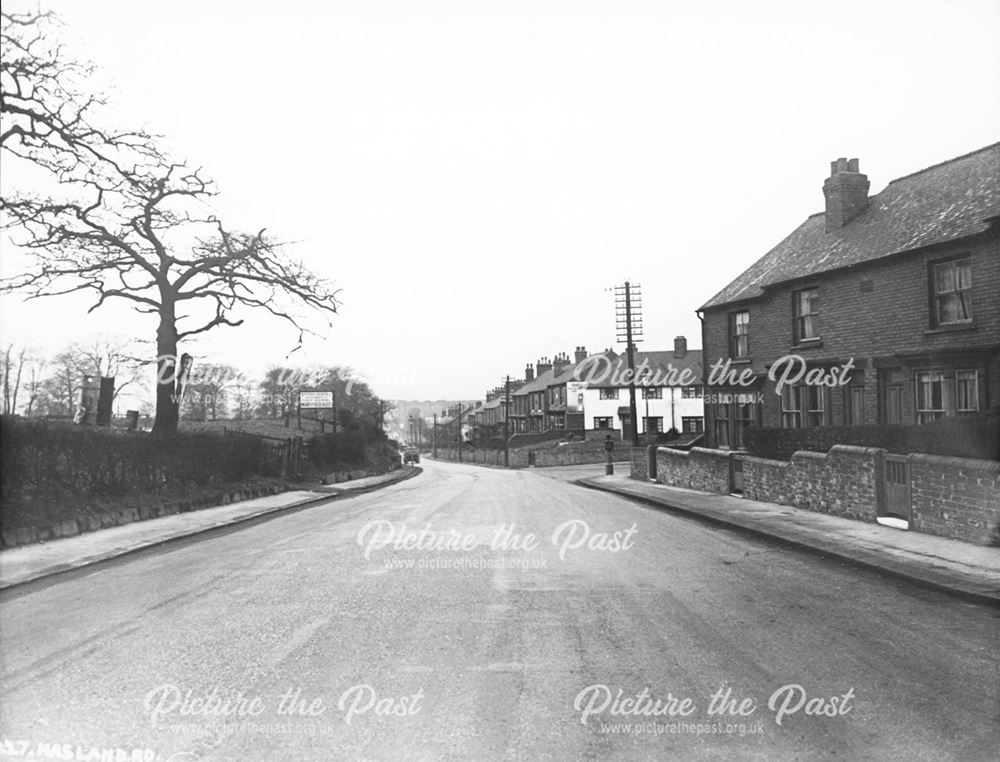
x=956, y=497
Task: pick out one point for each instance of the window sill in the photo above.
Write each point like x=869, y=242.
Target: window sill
x=950, y=328
x=740, y=360
x=808, y=344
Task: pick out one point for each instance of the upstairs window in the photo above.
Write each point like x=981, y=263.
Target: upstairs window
x=691, y=392
x=805, y=307
x=609, y=394
x=951, y=285
x=739, y=334
x=652, y=393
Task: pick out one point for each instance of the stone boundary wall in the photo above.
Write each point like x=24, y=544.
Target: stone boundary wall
x=697, y=468
x=480, y=456
x=152, y=507
x=147, y=509
x=958, y=498
x=557, y=456
x=842, y=482
x=640, y=463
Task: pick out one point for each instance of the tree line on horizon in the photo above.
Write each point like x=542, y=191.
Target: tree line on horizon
x=37, y=385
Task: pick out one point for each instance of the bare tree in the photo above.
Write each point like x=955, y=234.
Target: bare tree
x=111, y=357
x=45, y=107
x=244, y=398
x=58, y=391
x=11, y=368
x=35, y=383
x=135, y=226
x=206, y=397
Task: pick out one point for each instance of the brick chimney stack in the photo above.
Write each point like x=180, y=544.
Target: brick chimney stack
x=543, y=365
x=580, y=355
x=680, y=346
x=561, y=362
x=529, y=372
x=846, y=191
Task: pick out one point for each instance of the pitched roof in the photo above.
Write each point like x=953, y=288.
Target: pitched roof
x=537, y=385
x=569, y=373
x=662, y=366
x=941, y=203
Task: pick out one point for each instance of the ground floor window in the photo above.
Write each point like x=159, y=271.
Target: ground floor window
x=930, y=397
x=816, y=405
x=653, y=424
x=952, y=392
x=693, y=424
x=967, y=392
x=804, y=405
x=603, y=422
x=722, y=430
x=791, y=407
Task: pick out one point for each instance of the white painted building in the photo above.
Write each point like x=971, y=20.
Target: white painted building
x=669, y=391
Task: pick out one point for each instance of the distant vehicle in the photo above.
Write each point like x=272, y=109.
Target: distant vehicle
x=410, y=455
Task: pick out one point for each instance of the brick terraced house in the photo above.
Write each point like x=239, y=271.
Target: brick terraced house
x=892, y=299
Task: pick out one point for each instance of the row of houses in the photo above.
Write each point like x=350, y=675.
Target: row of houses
x=891, y=302
x=878, y=309
x=588, y=394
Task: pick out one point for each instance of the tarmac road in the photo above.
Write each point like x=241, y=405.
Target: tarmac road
x=549, y=622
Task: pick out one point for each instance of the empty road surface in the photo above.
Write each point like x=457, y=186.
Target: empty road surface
x=475, y=613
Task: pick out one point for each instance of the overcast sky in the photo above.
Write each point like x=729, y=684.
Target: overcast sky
x=476, y=175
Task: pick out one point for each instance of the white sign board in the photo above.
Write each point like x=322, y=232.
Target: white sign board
x=574, y=396
x=316, y=399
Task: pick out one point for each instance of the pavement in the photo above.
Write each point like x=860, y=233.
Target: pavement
x=954, y=566
x=496, y=615
x=44, y=559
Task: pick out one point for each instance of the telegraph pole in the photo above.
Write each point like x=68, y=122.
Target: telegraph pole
x=459, y=432
x=506, y=424
x=628, y=321
x=434, y=437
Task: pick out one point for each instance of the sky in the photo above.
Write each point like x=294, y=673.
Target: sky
x=476, y=177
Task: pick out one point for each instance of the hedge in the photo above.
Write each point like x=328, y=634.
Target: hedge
x=40, y=459
x=965, y=437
